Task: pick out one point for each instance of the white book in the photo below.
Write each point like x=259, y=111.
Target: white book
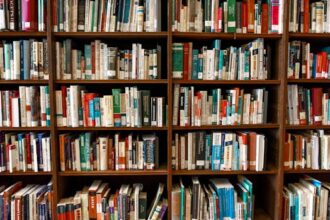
x=17, y=62
x=34, y=155
x=74, y=105
x=15, y=109
x=59, y=108
x=77, y=154
x=103, y=145
x=260, y=152
x=134, y=61
x=159, y=112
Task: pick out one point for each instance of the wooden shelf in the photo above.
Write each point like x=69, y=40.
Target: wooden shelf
x=22, y=34
x=26, y=129
x=209, y=35
x=216, y=172
x=115, y=81
x=306, y=127
x=227, y=82
x=115, y=173
x=112, y=35
x=308, y=81
x=112, y=129
x=224, y=127
x=310, y=36
x=303, y=171
x=28, y=173
x=24, y=82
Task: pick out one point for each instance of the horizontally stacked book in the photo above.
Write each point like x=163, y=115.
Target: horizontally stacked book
x=88, y=152
x=100, y=201
x=224, y=151
x=229, y=16
x=25, y=152
x=127, y=107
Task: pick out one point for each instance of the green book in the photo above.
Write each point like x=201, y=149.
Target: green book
x=214, y=106
x=146, y=107
x=231, y=16
x=88, y=144
x=116, y=107
x=83, y=157
x=47, y=107
x=182, y=201
x=88, y=58
x=195, y=64
x=142, y=205
x=177, y=59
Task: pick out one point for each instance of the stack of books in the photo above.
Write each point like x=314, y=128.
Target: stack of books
x=249, y=62
x=219, y=151
x=26, y=202
x=25, y=152
x=308, y=106
x=234, y=107
x=24, y=60
x=107, y=16
x=309, y=16
x=218, y=199
x=87, y=152
x=228, y=16
x=22, y=15
x=29, y=106
x=308, y=150
x=75, y=107
x=101, y=61
x=307, y=63
x=306, y=199
x=100, y=201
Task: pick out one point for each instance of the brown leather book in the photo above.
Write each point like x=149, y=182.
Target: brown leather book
x=252, y=150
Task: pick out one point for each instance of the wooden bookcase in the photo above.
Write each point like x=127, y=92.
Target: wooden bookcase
x=268, y=184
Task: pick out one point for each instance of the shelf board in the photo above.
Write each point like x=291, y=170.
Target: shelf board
x=221, y=172
x=306, y=127
x=111, y=35
x=111, y=129
x=227, y=82
x=208, y=35
x=22, y=34
x=26, y=129
x=223, y=127
x=23, y=82
x=115, y=81
x=115, y=173
x=310, y=36
x=303, y=171
x=28, y=173
x=308, y=81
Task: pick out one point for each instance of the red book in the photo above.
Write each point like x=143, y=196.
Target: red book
x=64, y=95
x=252, y=150
x=250, y=15
x=264, y=18
x=93, y=60
x=7, y=197
x=219, y=29
x=324, y=68
x=29, y=15
x=61, y=211
x=70, y=211
x=306, y=16
x=317, y=105
x=223, y=109
x=319, y=66
x=28, y=150
x=275, y=15
x=87, y=119
x=244, y=17
x=185, y=60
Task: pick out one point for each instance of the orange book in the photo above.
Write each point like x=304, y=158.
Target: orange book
x=92, y=198
x=250, y=15
x=264, y=18
x=99, y=195
x=287, y=152
x=62, y=151
x=7, y=196
x=252, y=151
x=306, y=16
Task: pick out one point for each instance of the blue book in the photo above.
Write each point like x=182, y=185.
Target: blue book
x=207, y=151
x=314, y=66
x=91, y=110
x=40, y=136
x=97, y=111
x=195, y=64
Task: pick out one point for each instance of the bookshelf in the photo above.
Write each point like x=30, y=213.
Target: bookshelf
x=269, y=183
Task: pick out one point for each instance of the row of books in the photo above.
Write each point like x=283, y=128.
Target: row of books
x=75, y=107
x=228, y=16
x=26, y=202
x=250, y=61
x=308, y=106
x=25, y=152
x=234, y=107
x=306, y=199
x=100, y=201
x=308, y=150
x=107, y=16
x=218, y=199
x=309, y=16
x=219, y=151
x=99, y=60
x=24, y=60
x=88, y=151
x=29, y=106
x=303, y=63
x=22, y=15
